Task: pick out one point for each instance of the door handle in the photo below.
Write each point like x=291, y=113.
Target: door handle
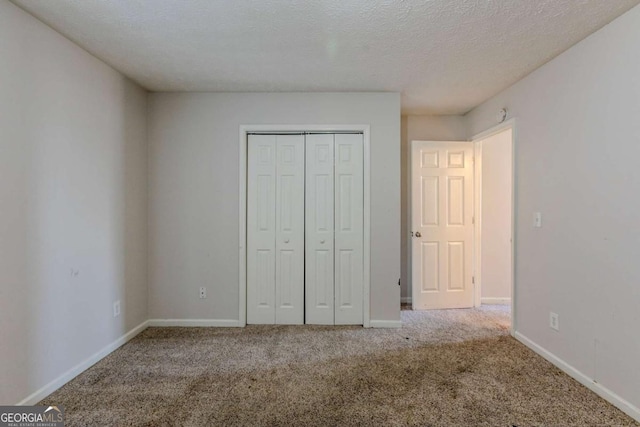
x=418, y=234
x=286, y=240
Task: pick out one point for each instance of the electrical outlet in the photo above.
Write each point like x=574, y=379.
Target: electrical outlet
x=537, y=219
x=554, y=321
x=203, y=292
x=116, y=308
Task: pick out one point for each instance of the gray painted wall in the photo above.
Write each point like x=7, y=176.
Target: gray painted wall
x=73, y=196
x=577, y=150
x=194, y=157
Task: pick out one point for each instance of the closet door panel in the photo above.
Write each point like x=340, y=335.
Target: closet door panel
x=289, y=241
x=349, y=233
x=261, y=229
x=319, y=230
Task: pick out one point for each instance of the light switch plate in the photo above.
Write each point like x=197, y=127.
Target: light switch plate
x=537, y=219
x=554, y=321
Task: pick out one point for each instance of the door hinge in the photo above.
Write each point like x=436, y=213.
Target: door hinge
x=473, y=280
x=473, y=219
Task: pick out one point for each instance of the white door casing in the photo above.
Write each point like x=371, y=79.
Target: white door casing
x=319, y=225
x=244, y=176
x=275, y=224
x=348, y=229
x=442, y=224
x=306, y=228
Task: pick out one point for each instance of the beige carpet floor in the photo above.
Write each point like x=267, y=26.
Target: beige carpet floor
x=442, y=368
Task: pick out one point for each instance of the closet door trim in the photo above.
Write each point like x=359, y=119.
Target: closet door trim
x=244, y=131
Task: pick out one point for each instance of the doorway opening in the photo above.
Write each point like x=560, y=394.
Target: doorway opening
x=462, y=222
x=494, y=194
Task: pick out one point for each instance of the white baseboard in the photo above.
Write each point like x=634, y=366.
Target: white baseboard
x=405, y=300
x=495, y=301
x=49, y=388
x=608, y=395
x=385, y=323
x=219, y=323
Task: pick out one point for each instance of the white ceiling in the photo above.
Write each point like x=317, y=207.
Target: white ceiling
x=444, y=56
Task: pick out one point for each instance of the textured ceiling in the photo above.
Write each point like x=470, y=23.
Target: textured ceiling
x=444, y=56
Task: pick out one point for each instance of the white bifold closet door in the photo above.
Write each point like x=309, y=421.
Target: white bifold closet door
x=275, y=229
x=334, y=235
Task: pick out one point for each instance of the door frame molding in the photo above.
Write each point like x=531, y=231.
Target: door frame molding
x=242, y=191
x=477, y=140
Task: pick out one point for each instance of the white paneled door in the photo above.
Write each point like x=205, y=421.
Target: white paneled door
x=290, y=229
x=305, y=232
x=319, y=224
x=442, y=224
x=275, y=225
x=334, y=229
x=349, y=238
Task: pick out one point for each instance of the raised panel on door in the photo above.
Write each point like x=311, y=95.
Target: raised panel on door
x=442, y=211
x=429, y=207
x=430, y=259
x=289, y=263
x=319, y=229
x=349, y=233
x=261, y=229
x=455, y=266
